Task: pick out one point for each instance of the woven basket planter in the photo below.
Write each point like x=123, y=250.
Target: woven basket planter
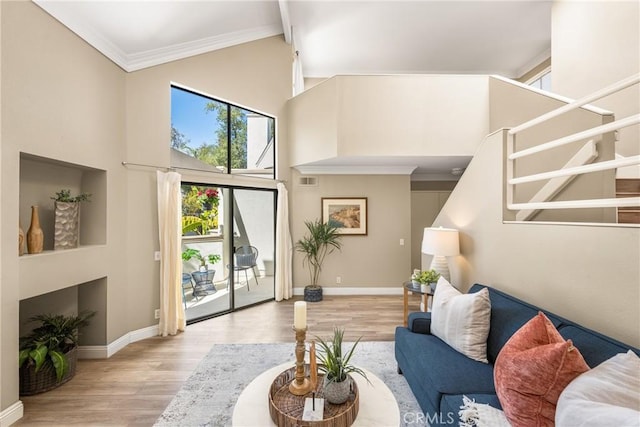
x=312, y=294
x=32, y=382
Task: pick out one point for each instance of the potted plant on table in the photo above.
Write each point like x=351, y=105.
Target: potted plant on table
x=336, y=366
x=48, y=355
x=427, y=279
x=321, y=240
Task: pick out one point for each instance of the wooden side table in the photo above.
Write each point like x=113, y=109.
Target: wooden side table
x=424, y=296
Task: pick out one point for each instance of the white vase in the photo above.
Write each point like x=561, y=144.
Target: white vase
x=67, y=223
x=424, y=287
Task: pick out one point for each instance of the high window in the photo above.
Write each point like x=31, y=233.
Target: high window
x=220, y=136
x=228, y=231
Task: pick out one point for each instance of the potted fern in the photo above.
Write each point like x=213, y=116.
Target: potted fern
x=48, y=355
x=321, y=239
x=336, y=366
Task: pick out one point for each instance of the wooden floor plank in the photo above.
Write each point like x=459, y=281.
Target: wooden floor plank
x=133, y=387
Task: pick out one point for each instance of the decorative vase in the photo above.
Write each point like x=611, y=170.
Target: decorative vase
x=20, y=240
x=35, y=236
x=66, y=225
x=424, y=287
x=336, y=393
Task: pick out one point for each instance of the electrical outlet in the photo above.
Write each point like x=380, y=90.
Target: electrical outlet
x=156, y=314
x=338, y=280
x=401, y=242
x=156, y=256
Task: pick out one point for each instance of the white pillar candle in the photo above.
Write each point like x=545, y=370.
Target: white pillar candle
x=300, y=315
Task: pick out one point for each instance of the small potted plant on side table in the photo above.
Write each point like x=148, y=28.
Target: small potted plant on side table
x=428, y=279
x=336, y=367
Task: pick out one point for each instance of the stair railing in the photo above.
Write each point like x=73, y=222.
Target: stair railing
x=580, y=164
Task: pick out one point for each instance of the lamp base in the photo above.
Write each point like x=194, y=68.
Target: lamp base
x=440, y=265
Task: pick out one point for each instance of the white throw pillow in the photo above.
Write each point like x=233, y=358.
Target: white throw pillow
x=607, y=395
x=462, y=320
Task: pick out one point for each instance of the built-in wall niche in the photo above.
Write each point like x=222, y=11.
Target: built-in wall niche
x=89, y=296
x=41, y=178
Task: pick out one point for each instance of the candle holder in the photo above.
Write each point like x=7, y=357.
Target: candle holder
x=300, y=385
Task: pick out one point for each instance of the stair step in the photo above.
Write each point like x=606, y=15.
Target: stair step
x=628, y=186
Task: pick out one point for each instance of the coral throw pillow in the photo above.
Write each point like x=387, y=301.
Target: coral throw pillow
x=531, y=371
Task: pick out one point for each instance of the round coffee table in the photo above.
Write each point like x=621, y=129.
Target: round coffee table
x=378, y=406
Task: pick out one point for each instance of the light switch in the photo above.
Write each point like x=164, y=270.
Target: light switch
x=401, y=242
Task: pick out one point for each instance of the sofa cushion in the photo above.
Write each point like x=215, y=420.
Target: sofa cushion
x=594, y=347
x=442, y=368
x=531, y=371
x=461, y=320
x=508, y=314
x=608, y=394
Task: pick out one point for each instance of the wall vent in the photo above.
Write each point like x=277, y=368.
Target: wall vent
x=308, y=181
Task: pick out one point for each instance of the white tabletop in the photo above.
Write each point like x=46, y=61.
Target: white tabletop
x=378, y=406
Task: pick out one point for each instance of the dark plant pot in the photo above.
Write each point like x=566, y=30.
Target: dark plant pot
x=313, y=293
x=32, y=382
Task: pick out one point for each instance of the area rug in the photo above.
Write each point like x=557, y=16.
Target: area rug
x=210, y=393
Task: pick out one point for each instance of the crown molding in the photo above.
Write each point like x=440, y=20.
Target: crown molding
x=355, y=170
x=137, y=61
x=532, y=63
x=153, y=57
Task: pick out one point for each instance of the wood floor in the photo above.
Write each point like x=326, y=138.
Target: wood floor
x=134, y=386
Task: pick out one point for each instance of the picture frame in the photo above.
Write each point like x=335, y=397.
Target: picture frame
x=349, y=214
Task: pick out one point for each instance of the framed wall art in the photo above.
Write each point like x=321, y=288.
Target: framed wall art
x=348, y=214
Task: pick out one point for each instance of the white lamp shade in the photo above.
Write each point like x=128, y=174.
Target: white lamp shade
x=440, y=241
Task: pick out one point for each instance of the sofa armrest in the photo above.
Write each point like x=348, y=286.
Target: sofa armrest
x=420, y=323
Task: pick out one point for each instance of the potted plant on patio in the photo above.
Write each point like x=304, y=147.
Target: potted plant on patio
x=190, y=253
x=336, y=366
x=321, y=240
x=48, y=355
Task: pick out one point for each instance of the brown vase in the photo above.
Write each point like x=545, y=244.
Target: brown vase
x=35, y=236
x=20, y=240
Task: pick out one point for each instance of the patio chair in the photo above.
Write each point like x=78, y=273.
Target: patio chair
x=186, y=281
x=245, y=258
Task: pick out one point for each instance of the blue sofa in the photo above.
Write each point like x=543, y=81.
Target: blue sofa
x=439, y=376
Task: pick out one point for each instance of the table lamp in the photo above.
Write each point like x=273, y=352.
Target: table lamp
x=440, y=242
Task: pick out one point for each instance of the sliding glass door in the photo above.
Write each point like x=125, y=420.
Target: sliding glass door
x=254, y=246
x=228, y=248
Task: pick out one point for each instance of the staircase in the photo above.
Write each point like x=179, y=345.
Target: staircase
x=628, y=187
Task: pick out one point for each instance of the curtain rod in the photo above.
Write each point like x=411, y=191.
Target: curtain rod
x=173, y=168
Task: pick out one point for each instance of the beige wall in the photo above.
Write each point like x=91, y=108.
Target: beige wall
x=595, y=44
x=61, y=99
x=371, y=261
x=587, y=274
x=425, y=207
x=408, y=115
x=256, y=75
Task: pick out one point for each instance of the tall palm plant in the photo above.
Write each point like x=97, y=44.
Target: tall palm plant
x=321, y=239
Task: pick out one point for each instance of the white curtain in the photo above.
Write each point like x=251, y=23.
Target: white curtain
x=284, y=247
x=172, y=316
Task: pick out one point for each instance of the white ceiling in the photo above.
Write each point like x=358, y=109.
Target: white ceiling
x=505, y=37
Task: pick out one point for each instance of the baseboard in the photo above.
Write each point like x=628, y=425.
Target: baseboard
x=106, y=351
x=12, y=414
x=397, y=290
